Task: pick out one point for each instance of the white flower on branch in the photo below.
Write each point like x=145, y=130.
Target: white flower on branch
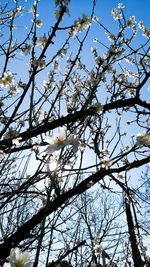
x=116, y=14
x=56, y=65
x=11, y=133
x=18, y=258
x=146, y=32
x=13, y=89
x=121, y=5
x=52, y=165
x=2, y=154
x=46, y=85
x=95, y=19
x=131, y=22
x=42, y=40
x=80, y=25
x=97, y=249
x=26, y=49
x=38, y=63
x=141, y=25
x=106, y=163
x=39, y=23
x=111, y=37
x=61, y=140
x=7, y=80
x=143, y=139
x=82, y=146
x=15, y=141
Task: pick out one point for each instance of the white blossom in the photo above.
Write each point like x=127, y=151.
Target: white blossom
x=39, y=23
x=42, y=40
x=80, y=25
x=95, y=19
x=111, y=37
x=146, y=33
x=8, y=77
x=52, y=165
x=98, y=249
x=13, y=89
x=2, y=153
x=45, y=85
x=17, y=258
x=121, y=5
x=38, y=63
x=85, y=22
x=11, y=133
x=82, y=146
x=106, y=163
x=141, y=25
x=26, y=49
x=62, y=52
x=116, y=14
x=131, y=21
x=143, y=139
x=7, y=80
x=56, y=65
x=15, y=141
x=32, y=10
x=61, y=140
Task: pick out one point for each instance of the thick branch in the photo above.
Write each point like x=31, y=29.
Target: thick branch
x=133, y=240
x=72, y=118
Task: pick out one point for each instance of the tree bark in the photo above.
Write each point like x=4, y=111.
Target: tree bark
x=132, y=236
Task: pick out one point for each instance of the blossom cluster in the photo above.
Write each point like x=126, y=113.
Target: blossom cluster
x=143, y=139
x=38, y=63
x=80, y=25
x=42, y=41
x=61, y=140
x=11, y=133
x=117, y=14
x=26, y=49
x=2, y=153
x=97, y=249
x=8, y=81
x=17, y=258
x=146, y=32
x=39, y=23
x=131, y=22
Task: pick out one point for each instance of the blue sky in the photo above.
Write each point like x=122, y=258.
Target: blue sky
x=139, y=8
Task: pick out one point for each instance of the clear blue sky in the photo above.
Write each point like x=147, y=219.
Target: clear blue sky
x=139, y=8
